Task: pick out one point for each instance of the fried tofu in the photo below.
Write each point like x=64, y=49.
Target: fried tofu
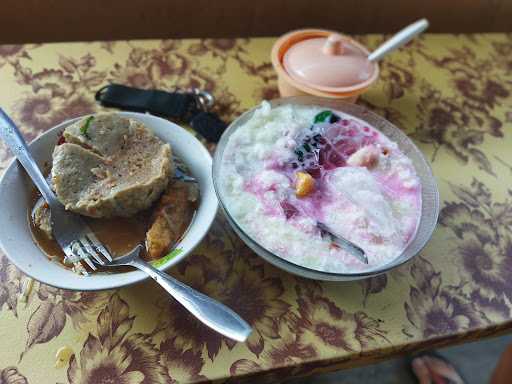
x=171, y=218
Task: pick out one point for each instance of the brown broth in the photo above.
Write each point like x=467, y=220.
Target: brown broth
x=119, y=234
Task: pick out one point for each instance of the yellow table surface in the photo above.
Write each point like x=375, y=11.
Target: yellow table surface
x=450, y=93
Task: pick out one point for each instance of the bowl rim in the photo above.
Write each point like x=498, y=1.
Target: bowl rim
x=134, y=276
x=298, y=269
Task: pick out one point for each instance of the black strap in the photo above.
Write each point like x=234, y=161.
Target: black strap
x=169, y=104
x=208, y=125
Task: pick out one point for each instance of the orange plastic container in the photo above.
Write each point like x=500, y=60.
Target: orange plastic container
x=288, y=86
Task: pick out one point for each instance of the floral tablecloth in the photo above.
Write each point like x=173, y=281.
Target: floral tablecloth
x=451, y=94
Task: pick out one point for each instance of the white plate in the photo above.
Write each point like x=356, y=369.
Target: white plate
x=15, y=192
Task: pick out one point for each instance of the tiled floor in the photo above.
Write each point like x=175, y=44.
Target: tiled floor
x=475, y=361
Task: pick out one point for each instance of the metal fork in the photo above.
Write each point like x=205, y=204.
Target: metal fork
x=71, y=232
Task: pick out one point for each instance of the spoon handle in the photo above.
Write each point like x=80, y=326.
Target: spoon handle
x=399, y=39
x=211, y=312
x=11, y=135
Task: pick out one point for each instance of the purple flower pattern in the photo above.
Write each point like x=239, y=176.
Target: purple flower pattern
x=458, y=287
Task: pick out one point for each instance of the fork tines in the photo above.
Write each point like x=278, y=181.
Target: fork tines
x=87, y=247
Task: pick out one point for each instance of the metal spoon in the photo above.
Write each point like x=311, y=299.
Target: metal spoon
x=399, y=39
x=347, y=245
x=209, y=311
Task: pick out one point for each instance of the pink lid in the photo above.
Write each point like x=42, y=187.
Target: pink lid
x=332, y=62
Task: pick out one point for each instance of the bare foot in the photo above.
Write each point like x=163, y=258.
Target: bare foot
x=433, y=369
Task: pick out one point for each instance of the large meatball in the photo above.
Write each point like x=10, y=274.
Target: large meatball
x=110, y=166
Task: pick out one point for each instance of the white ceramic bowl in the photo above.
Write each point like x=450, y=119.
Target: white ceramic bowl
x=429, y=192
x=15, y=192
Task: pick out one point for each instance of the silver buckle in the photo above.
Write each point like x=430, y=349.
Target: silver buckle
x=204, y=99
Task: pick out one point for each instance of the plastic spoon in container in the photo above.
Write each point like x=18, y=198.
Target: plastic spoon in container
x=335, y=64
x=399, y=39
